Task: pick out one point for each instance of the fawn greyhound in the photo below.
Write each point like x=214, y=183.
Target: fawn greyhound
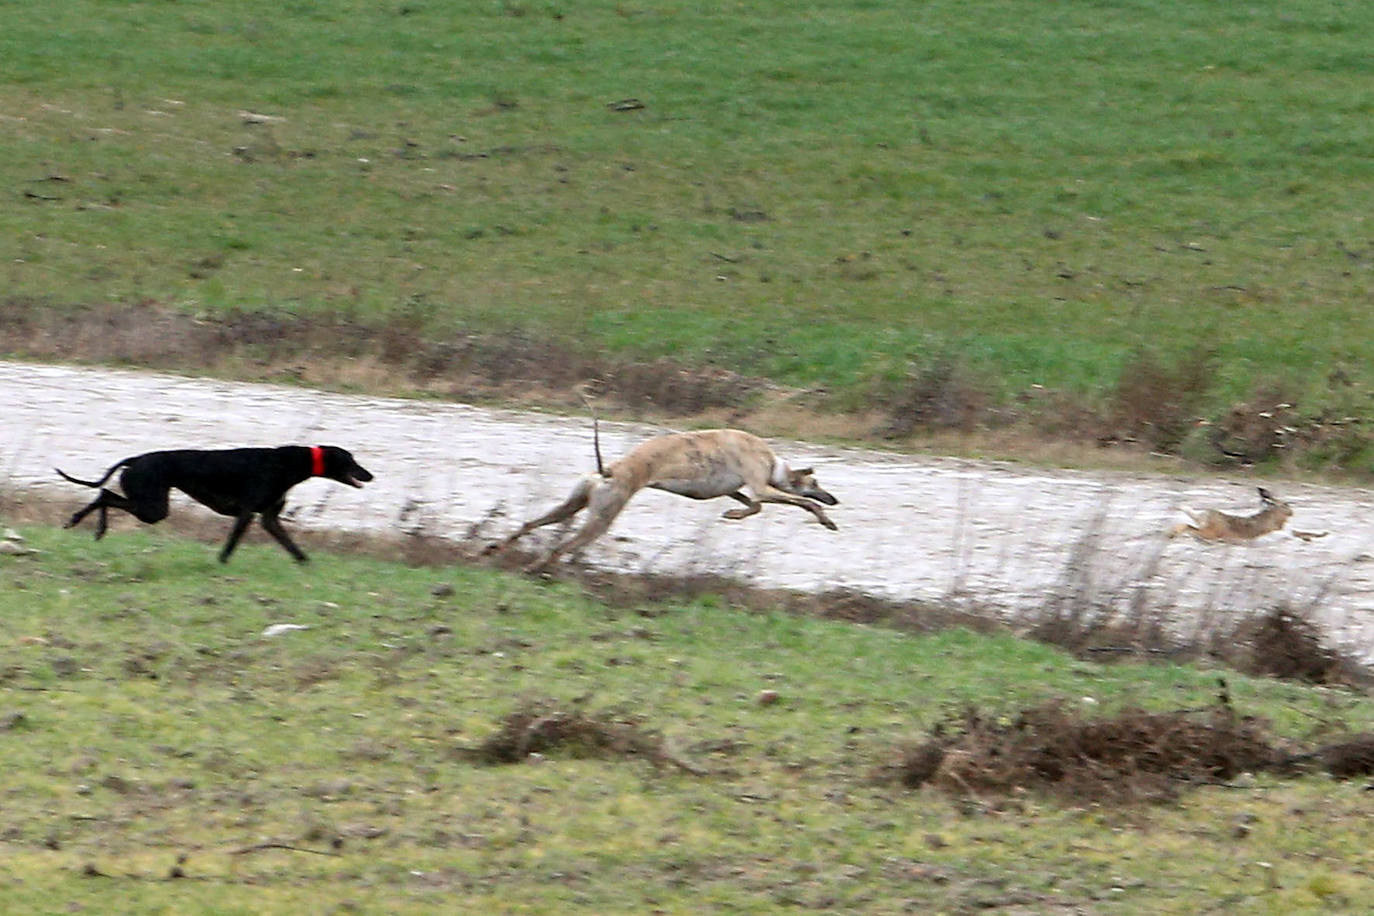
x=1214, y=525
x=698, y=465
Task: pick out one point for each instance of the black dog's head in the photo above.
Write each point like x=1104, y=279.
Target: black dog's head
x=339, y=465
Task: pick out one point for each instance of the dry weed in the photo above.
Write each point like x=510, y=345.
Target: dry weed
x=543, y=727
x=1159, y=404
x=1130, y=757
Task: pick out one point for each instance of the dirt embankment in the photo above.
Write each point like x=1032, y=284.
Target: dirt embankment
x=1019, y=544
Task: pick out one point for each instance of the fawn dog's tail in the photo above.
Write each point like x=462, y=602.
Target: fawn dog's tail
x=596, y=437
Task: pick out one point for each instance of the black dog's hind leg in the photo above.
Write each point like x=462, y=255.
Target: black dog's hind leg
x=240, y=526
x=108, y=500
x=78, y=515
x=272, y=525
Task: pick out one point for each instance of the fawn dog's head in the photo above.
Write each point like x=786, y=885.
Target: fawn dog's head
x=802, y=482
x=1274, y=509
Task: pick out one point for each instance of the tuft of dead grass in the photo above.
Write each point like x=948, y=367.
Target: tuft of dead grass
x=1254, y=431
x=1130, y=757
x=938, y=396
x=1349, y=758
x=542, y=727
x=666, y=387
x=1284, y=644
x=1157, y=403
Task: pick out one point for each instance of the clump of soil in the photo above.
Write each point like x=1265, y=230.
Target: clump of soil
x=1130, y=757
x=543, y=728
x=1349, y=758
x=1134, y=755
x=1285, y=645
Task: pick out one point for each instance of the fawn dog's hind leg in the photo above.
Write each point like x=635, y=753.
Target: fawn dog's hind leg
x=604, y=503
x=575, y=503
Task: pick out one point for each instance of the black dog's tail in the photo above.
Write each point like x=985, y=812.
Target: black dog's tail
x=596, y=437
x=94, y=483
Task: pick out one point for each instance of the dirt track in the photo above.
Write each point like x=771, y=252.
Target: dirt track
x=1005, y=538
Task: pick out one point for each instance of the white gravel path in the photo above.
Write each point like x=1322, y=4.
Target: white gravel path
x=1004, y=537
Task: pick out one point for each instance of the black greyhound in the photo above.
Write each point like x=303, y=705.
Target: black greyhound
x=239, y=482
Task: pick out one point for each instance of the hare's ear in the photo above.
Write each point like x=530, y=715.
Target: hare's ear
x=1264, y=494
x=803, y=471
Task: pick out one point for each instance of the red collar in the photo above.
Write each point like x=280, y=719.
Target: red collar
x=316, y=461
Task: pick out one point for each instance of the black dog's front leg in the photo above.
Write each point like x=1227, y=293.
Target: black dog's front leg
x=240, y=526
x=272, y=525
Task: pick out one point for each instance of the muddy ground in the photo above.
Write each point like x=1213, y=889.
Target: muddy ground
x=1014, y=542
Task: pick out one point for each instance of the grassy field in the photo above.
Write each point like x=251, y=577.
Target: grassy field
x=847, y=196
x=166, y=756
x=1101, y=220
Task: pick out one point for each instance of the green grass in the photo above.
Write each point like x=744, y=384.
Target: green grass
x=158, y=722
x=817, y=193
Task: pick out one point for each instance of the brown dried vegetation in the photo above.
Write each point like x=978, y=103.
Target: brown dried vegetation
x=938, y=396
x=1283, y=644
x=1133, y=756
x=1156, y=405
x=337, y=349
x=1159, y=404
x=542, y=727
